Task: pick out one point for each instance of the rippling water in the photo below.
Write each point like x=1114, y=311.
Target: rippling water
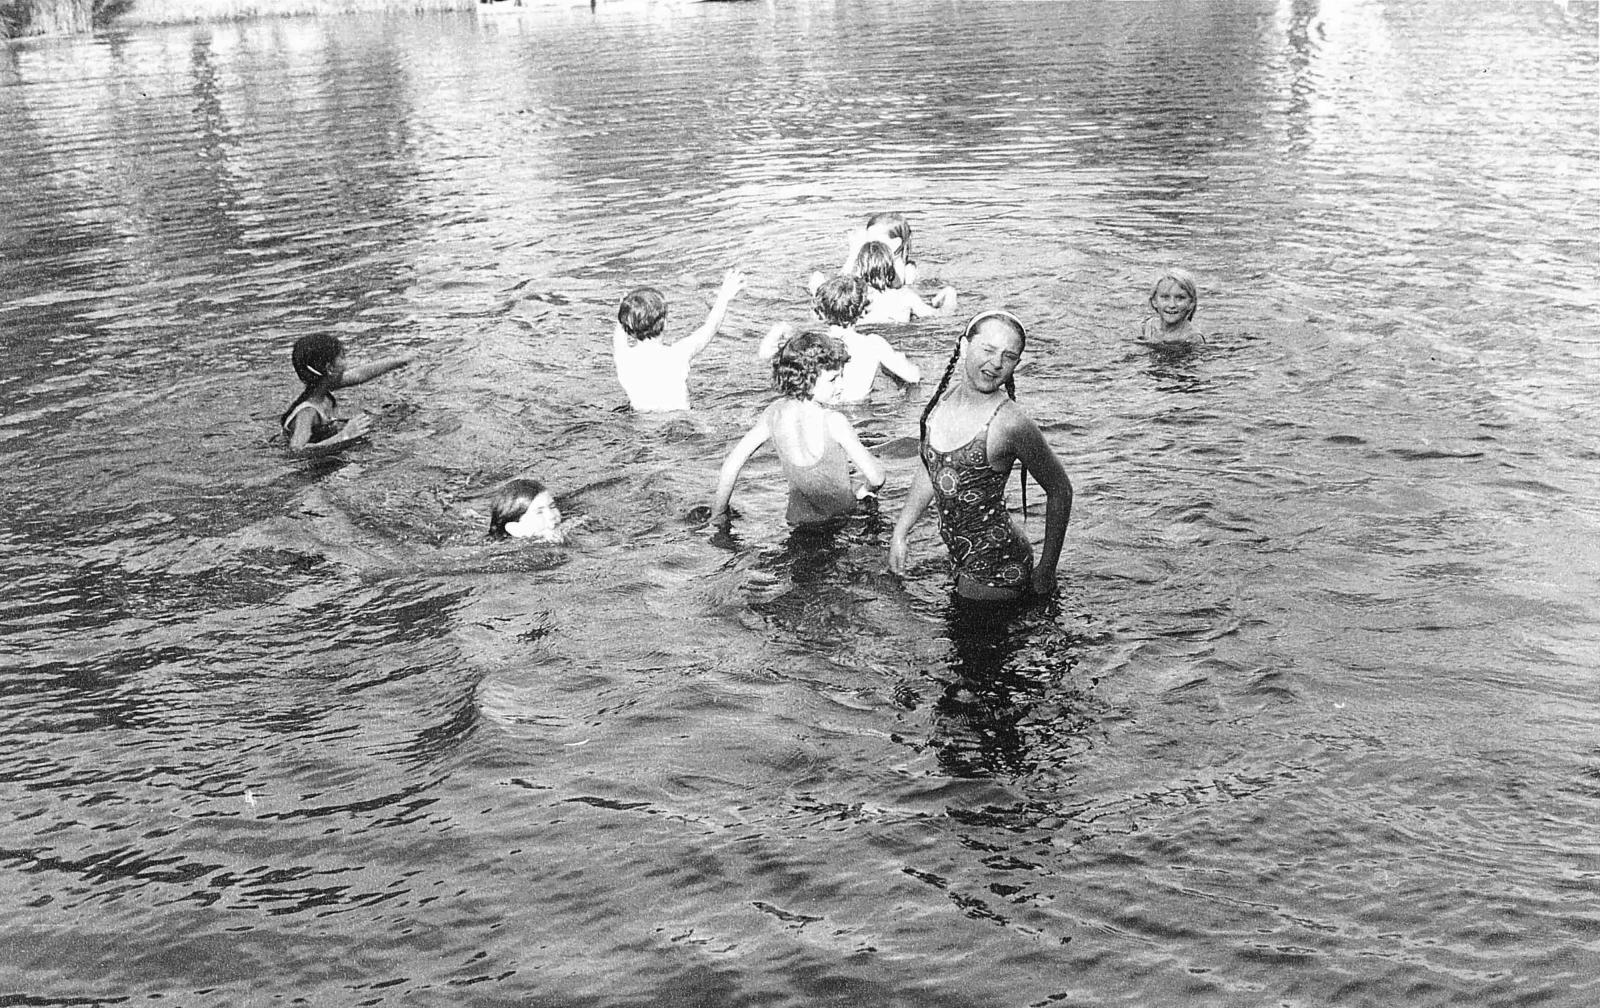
x=1312, y=722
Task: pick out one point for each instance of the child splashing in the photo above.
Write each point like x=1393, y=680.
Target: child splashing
x=1173, y=299
x=815, y=445
x=654, y=374
x=973, y=433
x=840, y=302
x=319, y=362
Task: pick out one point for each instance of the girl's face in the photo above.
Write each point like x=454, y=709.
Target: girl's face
x=826, y=386
x=1171, y=302
x=542, y=521
x=991, y=356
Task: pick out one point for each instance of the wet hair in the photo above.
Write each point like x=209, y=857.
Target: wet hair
x=955, y=355
x=313, y=356
x=510, y=503
x=643, y=313
x=875, y=264
x=895, y=223
x=800, y=360
x=841, y=300
x=1185, y=281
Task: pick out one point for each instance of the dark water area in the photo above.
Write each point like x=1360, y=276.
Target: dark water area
x=1313, y=720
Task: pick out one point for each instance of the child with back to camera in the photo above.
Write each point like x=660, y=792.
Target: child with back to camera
x=319, y=361
x=840, y=302
x=815, y=445
x=654, y=374
x=1173, y=299
x=888, y=301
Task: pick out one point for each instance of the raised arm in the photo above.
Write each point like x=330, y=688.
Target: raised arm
x=1027, y=443
x=774, y=340
x=866, y=463
x=364, y=373
x=697, y=341
x=917, y=501
x=735, y=461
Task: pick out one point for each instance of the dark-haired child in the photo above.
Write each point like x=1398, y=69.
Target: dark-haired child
x=653, y=373
x=840, y=303
x=309, y=422
x=815, y=445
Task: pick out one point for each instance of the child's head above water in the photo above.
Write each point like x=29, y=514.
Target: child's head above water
x=803, y=359
x=643, y=313
x=894, y=224
x=840, y=301
x=1175, y=289
x=524, y=509
x=315, y=355
x=875, y=264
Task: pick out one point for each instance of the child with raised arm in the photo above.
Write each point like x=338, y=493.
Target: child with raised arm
x=840, y=302
x=1173, y=299
x=815, y=445
x=309, y=422
x=654, y=374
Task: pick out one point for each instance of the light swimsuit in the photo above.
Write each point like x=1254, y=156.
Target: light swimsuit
x=819, y=491
x=322, y=428
x=973, y=521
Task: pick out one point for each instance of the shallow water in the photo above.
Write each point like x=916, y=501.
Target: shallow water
x=1313, y=720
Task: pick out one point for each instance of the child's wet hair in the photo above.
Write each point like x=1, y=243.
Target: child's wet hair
x=313, y=356
x=875, y=264
x=802, y=359
x=643, y=313
x=895, y=224
x=510, y=503
x=841, y=300
x=1185, y=281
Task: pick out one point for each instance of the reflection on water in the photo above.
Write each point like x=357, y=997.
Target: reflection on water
x=1310, y=719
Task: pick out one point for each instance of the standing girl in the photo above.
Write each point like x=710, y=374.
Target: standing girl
x=1173, y=299
x=815, y=445
x=309, y=422
x=973, y=433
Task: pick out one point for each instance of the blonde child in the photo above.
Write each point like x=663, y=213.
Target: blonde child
x=654, y=374
x=840, y=303
x=309, y=422
x=1173, y=299
x=815, y=445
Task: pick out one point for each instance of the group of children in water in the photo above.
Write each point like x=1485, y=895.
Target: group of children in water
x=972, y=432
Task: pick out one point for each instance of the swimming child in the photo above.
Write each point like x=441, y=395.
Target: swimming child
x=309, y=422
x=840, y=302
x=888, y=301
x=815, y=445
x=1173, y=299
x=524, y=509
x=654, y=374
x=972, y=434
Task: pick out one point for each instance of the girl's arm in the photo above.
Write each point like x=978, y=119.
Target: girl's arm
x=866, y=463
x=300, y=433
x=701, y=337
x=735, y=461
x=1025, y=441
x=366, y=372
x=922, y=309
x=773, y=341
x=917, y=502
x=895, y=362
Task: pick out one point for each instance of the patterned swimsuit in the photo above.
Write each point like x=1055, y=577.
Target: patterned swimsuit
x=973, y=520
